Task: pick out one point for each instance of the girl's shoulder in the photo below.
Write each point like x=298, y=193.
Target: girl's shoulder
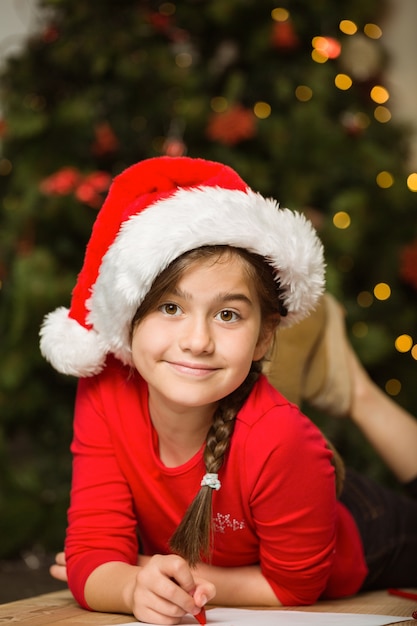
x=264, y=399
x=269, y=417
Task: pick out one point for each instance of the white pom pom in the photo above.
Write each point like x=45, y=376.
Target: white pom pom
x=69, y=347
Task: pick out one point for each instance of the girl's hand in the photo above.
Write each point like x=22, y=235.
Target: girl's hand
x=166, y=589
x=59, y=569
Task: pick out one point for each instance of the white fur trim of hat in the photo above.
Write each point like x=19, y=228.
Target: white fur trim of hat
x=155, y=211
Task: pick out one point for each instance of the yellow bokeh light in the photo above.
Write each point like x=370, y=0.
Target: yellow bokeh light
x=318, y=57
x=348, y=27
x=184, y=59
x=303, y=93
x=382, y=291
x=262, y=110
x=341, y=220
x=393, y=387
x=372, y=31
x=382, y=114
x=219, y=104
x=365, y=299
x=379, y=94
x=343, y=82
x=403, y=343
x=414, y=352
x=280, y=14
x=5, y=167
x=384, y=180
x=360, y=330
x=412, y=182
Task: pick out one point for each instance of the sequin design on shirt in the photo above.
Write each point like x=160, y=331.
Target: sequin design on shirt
x=222, y=522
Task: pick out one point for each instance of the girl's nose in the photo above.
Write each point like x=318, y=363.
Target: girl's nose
x=197, y=337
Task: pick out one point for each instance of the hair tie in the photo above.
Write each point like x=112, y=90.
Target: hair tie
x=211, y=480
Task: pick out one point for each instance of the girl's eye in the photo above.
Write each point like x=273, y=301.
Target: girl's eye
x=227, y=316
x=170, y=309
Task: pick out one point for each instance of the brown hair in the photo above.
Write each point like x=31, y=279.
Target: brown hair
x=192, y=538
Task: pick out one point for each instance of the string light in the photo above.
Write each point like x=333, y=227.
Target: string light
x=379, y=94
x=385, y=180
x=318, y=57
x=343, y=82
x=280, y=14
x=414, y=352
x=403, y=343
x=393, y=387
x=5, y=167
x=183, y=60
x=348, y=27
x=372, y=31
x=382, y=291
x=303, y=93
x=341, y=220
x=412, y=182
x=262, y=110
x=364, y=299
x=382, y=114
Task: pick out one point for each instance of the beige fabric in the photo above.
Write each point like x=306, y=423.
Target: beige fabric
x=308, y=361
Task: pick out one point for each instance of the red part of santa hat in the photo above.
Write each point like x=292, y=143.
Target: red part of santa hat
x=155, y=211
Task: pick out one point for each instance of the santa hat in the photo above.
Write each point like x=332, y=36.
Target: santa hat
x=155, y=211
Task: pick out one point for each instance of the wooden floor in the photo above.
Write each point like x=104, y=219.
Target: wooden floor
x=59, y=609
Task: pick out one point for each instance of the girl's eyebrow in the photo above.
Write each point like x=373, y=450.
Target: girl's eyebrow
x=221, y=298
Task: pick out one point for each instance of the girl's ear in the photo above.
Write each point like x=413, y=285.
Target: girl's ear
x=266, y=336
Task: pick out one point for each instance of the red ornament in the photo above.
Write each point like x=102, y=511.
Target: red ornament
x=174, y=147
x=91, y=187
x=233, y=126
x=408, y=264
x=50, y=34
x=161, y=23
x=62, y=183
x=106, y=141
x=284, y=36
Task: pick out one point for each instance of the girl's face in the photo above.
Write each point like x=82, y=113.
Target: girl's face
x=197, y=345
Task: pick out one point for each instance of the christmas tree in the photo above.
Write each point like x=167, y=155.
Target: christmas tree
x=290, y=94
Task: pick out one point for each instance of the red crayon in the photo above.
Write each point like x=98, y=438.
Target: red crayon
x=201, y=617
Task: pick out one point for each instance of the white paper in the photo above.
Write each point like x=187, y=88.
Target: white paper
x=248, y=617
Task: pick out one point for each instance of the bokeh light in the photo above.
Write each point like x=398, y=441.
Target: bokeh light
x=382, y=291
x=403, y=343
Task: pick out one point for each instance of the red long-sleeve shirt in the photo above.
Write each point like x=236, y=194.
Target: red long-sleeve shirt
x=276, y=506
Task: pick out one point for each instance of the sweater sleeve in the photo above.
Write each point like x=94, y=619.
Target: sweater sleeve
x=101, y=520
x=293, y=504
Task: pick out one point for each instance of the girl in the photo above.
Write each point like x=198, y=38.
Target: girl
x=183, y=452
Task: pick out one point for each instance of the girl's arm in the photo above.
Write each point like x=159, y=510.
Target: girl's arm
x=239, y=586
